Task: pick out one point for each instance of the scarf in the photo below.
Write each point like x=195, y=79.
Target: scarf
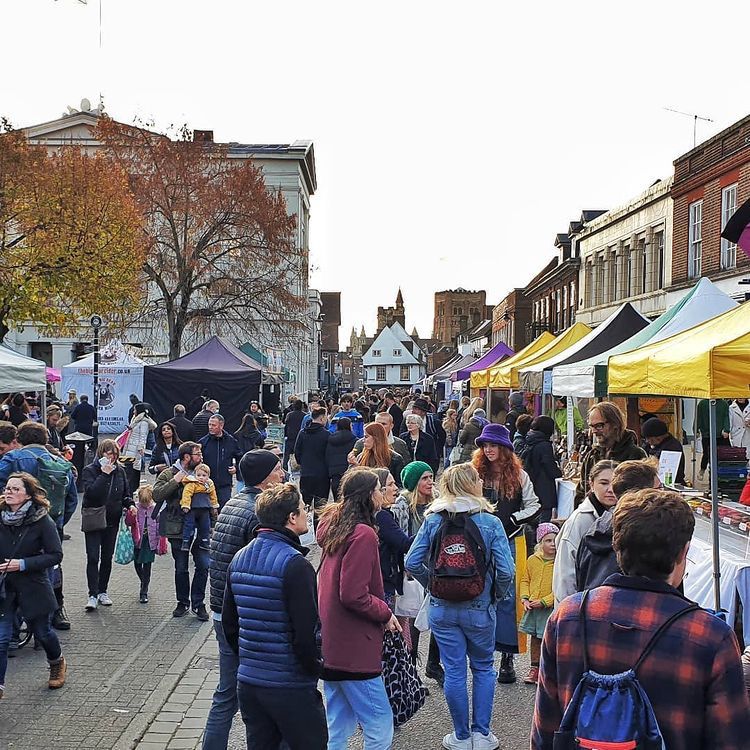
x=16, y=517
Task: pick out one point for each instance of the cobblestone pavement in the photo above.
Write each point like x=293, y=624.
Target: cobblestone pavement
x=123, y=663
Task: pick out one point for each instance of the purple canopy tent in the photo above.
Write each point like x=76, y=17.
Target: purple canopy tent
x=498, y=352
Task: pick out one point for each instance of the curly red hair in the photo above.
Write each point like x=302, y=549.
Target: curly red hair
x=506, y=471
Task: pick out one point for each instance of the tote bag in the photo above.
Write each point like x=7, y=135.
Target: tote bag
x=405, y=690
x=409, y=603
x=124, y=546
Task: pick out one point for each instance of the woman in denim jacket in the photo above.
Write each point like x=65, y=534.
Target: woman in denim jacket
x=466, y=628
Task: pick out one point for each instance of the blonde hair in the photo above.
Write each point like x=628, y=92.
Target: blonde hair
x=146, y=495
x=205, y=468
x=476, y=403
x=461, y=481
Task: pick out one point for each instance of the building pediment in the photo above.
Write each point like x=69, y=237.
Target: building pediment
x=78, y=127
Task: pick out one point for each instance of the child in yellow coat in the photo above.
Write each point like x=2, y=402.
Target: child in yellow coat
x=536, y=593
x=198, y=502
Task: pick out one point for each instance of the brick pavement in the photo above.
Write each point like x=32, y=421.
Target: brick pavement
x=124, y=662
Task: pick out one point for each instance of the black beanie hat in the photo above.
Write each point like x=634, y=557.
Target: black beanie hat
x=653, y=427
x=256, y=465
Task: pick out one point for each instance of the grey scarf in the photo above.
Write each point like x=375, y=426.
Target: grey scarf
x=16, y=517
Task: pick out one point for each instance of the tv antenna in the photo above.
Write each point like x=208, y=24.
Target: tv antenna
x=695, y=121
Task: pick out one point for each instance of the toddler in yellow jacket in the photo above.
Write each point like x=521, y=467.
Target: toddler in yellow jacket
x=197, y=502
x=536, y=593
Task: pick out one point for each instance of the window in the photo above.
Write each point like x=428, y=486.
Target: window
x=376, y=352
x=347, y=371
x=695, y=239
x=558, y=311
x=565, y=306
x=643, y=257
x=728, y=207
x=397, y=352
x=380, y=373
x=573, y=303
x=405, y=373
x=659, y=247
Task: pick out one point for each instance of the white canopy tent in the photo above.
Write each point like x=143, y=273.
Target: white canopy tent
x=21, y=373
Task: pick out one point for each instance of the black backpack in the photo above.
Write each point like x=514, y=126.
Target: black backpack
x=458, y=559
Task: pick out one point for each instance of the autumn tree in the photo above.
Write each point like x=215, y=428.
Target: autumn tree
x=69, y=242
x=221, y=254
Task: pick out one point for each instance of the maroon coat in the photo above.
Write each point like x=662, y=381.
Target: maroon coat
x=351, y=603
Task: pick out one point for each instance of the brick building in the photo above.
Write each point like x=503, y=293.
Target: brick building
x=710, y=182
x=387, y=316
x=457, y=310
x=511, y=320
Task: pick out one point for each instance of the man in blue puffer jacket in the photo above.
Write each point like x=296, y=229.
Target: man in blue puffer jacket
x=270, y=618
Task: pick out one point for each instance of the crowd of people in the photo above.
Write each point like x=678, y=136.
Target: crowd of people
x=431, y=522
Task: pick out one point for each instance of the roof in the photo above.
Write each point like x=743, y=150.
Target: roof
x=492, y=357
x=591, y=214
x=217, y=354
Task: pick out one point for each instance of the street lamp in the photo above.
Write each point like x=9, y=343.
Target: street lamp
x=96, y=324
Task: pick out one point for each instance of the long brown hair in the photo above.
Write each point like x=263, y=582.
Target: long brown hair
x=33, y=488
x=355, y=507
x=380, y=454
x=506, y=471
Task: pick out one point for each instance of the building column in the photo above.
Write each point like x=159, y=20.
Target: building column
x=607, y=277
x=636, y=266
x=621, y=270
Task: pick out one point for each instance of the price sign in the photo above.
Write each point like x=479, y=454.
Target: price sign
x=699, y=511
x=743, y=526
x=727, y=521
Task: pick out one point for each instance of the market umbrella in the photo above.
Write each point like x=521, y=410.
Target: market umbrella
x=737, y=229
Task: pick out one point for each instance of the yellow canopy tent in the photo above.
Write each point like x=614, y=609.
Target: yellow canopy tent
x=481, y=378
x=505, y=375
x=710, y=361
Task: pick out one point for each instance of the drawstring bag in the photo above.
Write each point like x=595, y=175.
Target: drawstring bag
x=124, y=546
x=405, y=690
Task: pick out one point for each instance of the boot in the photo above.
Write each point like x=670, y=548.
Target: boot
x=57, y=674
x=60, y=619
x=507, y=672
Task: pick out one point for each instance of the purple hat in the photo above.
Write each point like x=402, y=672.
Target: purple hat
x=545, y=528
x=496, y=434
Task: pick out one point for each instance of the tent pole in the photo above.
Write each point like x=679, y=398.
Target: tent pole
x=715, y=503
x=695, y=435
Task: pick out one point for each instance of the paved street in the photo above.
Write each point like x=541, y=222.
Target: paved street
x=124, y=661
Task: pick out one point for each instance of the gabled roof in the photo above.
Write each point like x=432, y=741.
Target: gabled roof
x=388, y=339
x=591, y=214
x=216, y=354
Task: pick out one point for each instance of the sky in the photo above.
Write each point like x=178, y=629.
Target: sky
x=453, y=141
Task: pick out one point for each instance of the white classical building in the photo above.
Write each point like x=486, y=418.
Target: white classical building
x=289, y=168
x=394, y=359
x=626, y=255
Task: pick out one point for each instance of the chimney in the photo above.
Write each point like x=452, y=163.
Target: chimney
x=203, y=136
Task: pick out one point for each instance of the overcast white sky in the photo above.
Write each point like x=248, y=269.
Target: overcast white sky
x=453, y=140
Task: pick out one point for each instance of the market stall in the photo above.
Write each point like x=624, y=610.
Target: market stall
x=497, y=354
x=709, y=361
x=21, y=373
x=480, y=379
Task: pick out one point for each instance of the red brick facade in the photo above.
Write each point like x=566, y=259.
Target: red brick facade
x=701, y=175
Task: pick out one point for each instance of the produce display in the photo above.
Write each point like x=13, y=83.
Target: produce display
x=731, y=514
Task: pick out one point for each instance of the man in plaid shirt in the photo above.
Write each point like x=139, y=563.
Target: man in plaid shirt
x=693, y=677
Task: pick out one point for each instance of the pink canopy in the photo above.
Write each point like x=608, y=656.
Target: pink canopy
x=53, y=375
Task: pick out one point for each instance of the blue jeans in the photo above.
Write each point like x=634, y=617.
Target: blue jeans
x=224, y=704
x=363, y=702
x=461, y=631
x=197, y=518
x=190, y=596
x=40, y=626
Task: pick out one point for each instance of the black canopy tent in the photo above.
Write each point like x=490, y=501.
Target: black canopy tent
x=231, y=377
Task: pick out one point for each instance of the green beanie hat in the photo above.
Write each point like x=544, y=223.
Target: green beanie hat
x=411, y=474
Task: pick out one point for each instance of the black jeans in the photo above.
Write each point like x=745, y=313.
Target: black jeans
x=433, y=652
x=187, y=594
x=143, y=571
x=197, y=518
x=133, y=477
x=100, y=546
x=275, y=714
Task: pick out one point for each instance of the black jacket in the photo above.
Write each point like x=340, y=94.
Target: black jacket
x=426, y=449
x=106, y=489
x=310, y=450
x=539, y=461
x=596, y=559
x=84, y=415
x=671, y=444
x=340, y=445
x=248, y=441
x=398, y=417
x=37, y=542
x=292, y=426
x=184, y=428
x=393, y=544
x=200, y=423
x=234, y=528
x=219, y=453
x=434, y=428
x=162, y=456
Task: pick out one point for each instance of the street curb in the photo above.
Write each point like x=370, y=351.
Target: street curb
x=133, y=733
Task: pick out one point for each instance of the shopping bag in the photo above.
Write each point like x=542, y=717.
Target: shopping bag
x=408, y=603
x=308, y=538
x=566, y=493
x=124, y=546
x=421, y=622
x=122, y=438
x=455, y=455
x=405, y=690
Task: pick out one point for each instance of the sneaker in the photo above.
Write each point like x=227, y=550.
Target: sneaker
x=92, y=604
x=437, y=673
x=507, y=672
x=57, y=674
x=180, y=610
x=105, y=600
x=185, y=546
x=200, y=612
x=484, y=741
x=451, y=742
x=143, y=598
x=13, y=645
x=2, y=690
x=60, y=619
x=532, y=677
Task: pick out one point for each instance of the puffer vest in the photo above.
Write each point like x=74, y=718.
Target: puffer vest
x=267, y=658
